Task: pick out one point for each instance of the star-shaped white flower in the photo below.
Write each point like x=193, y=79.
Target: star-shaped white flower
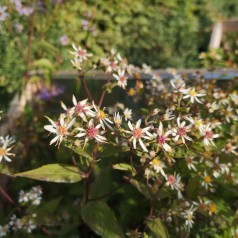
x=59, y=128
x=138, y=133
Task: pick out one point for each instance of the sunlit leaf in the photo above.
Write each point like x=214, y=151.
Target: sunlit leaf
x=125, y=167
x=57, y=173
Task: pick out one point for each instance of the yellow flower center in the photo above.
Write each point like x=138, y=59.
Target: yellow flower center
x=131, y=92
x=3, y=152
x=190, y=216
x=228, y=113
x=207, y=179
x=213, y=208
x=156, y=162
x=192, y=92
x=102, y=114
x=198, y=123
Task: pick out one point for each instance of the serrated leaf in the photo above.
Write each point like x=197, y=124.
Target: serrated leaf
x=101, y=219
x=157, y=228
x=57, y=173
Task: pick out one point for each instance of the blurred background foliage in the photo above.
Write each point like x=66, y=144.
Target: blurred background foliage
x=160, y=33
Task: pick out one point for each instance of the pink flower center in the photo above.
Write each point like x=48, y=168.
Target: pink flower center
x=81, y=53
x=122, y=78
x=209, y=134
x=79, y=108
x=171, y=179
x=137, y=133
x=182, y=131
x=91, y=132
x=161, y=139
x=113, y=65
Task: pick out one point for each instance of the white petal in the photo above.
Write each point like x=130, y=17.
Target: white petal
x=134, y=143
x=138, y=123
x=54, y=140
x=142, y=145
x=74, y=101
x=130, y=126
x=50, y=128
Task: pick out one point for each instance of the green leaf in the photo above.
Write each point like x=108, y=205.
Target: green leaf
x=124, y=167
x=80, y=151
x=157, y=228
x=57, y=173
x=141, y=188
x=101, y=219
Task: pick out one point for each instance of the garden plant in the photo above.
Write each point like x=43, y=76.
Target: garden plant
x=139, y=156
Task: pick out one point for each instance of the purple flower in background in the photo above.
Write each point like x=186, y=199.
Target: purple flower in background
x=46, y=94
x=64, y=40
x=22, y=10
x=16, y=2
x=56, y=1
x=3, y=13
x=25, y=11
x=85, y=24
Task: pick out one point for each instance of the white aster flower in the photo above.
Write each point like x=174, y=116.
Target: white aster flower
x=162, y=137
x=80, y=53
x=91, y=132
x=60, y=128
x=209, y=136
x=111, y=66
x=192, y=94
x=181, y=131
x=121, y=78
x=191, y=163
x=158, y=166
x=68, y=111
x=117, y=119
x=212, y=107
x=197, y=122
x=76, y=63
x=82, y=109
x=15, y=223
x=177, y=83
x=102, y=117
x=189, y=216
x=207, y=180
x=137, y=134
x=228, y=112
x=229, y=148
x=127, y=114
x=5, y=151
x=173, y=181
x=29, y=226
x=168, y=115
